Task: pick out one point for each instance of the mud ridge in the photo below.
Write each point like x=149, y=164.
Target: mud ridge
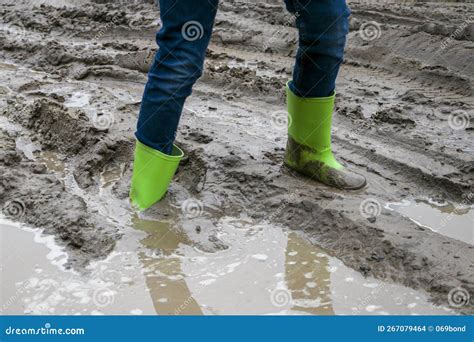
x=42, y=201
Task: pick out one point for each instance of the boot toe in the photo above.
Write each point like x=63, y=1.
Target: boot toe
x=346, y=180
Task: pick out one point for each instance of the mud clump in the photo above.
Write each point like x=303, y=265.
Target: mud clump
x=55, y=126
x=393, y=116
x=28, y=193
x=61, y=129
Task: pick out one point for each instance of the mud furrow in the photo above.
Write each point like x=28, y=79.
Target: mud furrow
x=74, y=89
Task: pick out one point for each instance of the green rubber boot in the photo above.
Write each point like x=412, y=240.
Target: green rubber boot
x=308, y=149
x=152, y=173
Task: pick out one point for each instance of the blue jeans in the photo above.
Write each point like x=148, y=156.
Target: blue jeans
x=183, y=40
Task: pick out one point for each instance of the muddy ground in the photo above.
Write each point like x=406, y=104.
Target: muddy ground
x=72, y=74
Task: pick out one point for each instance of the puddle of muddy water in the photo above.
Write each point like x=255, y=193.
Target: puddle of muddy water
x=110, y=175
x=52, y=161
x=453, y=220
x=23, y=142
x=78, y=100
x=156, y=269
x=266, y=271
x=34, y=281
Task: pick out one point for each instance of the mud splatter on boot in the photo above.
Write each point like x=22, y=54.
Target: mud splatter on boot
x=308, y=150
x=339, y=178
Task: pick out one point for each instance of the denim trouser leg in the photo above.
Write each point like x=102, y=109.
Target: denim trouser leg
x=323, y=26
x=184, y=37
x=182, y=41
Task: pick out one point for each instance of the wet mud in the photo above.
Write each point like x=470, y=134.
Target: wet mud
x=71, y=80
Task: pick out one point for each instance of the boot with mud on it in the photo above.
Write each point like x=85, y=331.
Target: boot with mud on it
x=308, y=150
x=152, y=174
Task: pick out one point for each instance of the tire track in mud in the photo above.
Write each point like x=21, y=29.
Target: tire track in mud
x=238, y=170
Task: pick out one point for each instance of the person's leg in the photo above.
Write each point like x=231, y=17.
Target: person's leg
x=323, y=26
x=182, y=40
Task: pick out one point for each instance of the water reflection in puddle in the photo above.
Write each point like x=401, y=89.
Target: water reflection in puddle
x=455, y=221
x=164, y=275
x=264, y=271
x=37, y=283
x=156, y=268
